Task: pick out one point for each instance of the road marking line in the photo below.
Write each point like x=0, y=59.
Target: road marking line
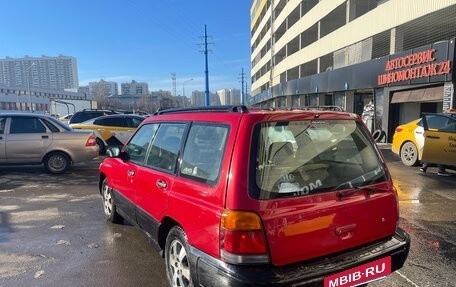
x=408, y=280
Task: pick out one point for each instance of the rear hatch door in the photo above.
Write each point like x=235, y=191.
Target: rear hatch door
x=322, y=187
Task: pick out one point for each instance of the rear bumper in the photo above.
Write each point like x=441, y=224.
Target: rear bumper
x=87, y=154
x=213, y=272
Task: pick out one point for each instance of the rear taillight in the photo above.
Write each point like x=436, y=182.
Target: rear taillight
x=398, y=129
x=91, y=141
x=242, y=239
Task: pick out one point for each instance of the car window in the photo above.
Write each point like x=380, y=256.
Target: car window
x=204, y=151
x=436, y=121
x=450, y=128
x=133, y=122
x=26, y=125
x=2, y=125
x=84, y=116
x=165, y=146
x=50, y=121
x=111, y=122
x=59, y=124
x=138, y=145
x=302, y=157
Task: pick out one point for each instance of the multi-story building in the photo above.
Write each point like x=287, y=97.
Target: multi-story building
x=134, y=88
x=103, y=88
x=57, y=73
x=398, y=54
x=199, y=99
x=229, y=96
x=40, y=100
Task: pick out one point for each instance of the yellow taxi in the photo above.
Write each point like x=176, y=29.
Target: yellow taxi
x=111, y=130
x=430, y=139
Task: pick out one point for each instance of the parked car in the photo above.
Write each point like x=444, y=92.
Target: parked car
x=111, y=130
x=233, y=204
x=29, y=138
x=87, y=114
x=428, y=139
x=65, y=118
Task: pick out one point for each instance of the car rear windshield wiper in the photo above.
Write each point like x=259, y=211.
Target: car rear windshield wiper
x=355, y=189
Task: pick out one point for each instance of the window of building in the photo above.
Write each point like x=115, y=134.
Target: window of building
x=309, y=68
x=293, y=74
x=360, y=7
x=326, y=63
x=333, y=20
x=309, y=36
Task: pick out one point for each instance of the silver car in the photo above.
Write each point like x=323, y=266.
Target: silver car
x=29, y=138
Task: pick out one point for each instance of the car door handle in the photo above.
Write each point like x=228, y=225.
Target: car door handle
x=44, y=137
x=433, y=137
x=161, y=184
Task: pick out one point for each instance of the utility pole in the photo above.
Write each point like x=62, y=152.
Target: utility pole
x=173, y=76
x=206, y=72
x=242, y=87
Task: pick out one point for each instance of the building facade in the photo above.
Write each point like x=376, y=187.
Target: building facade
x=229, y=96
x=103, y=88
x=57, y=73
x=397, y=54
x=134, y=88
x=199, y=99
x=42, y=100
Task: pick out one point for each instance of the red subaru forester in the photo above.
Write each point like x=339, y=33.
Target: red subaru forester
x=249, y=197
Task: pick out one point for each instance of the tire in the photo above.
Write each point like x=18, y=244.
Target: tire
x=101, y=146
x=178, y=269
x=379, y=136
x=57, y=162
x=109, y=207
x=409, y=154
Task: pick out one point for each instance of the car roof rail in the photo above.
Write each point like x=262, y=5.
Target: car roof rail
x=308, y=108
x=324, y=108
x=227, y=108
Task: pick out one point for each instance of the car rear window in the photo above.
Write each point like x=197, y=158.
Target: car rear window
x=307, y=157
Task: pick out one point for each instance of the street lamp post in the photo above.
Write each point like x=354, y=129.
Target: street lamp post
x=183, y=89
x=28, y=85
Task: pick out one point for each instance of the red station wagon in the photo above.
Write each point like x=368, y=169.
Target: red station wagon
x=249, y=197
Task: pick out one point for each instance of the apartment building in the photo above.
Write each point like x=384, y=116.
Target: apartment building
x=103, y=88
x=134, y=88
x=229, y=96
x=398, y=54
x=56, y=73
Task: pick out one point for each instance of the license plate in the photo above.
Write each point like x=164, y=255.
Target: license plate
x=365, y=273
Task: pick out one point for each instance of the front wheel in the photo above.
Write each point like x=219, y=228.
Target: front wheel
x=178, y=270
x=109, y=207
x=409, y=154
x=57, y=162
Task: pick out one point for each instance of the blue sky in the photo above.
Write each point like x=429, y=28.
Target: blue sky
x=142, y=40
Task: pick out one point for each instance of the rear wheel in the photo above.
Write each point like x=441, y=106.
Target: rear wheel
x=177, y=259
x=57, y=162
x=109, y=207
x=409, y=154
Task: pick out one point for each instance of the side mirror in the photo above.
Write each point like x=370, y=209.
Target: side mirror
x=112, y=152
